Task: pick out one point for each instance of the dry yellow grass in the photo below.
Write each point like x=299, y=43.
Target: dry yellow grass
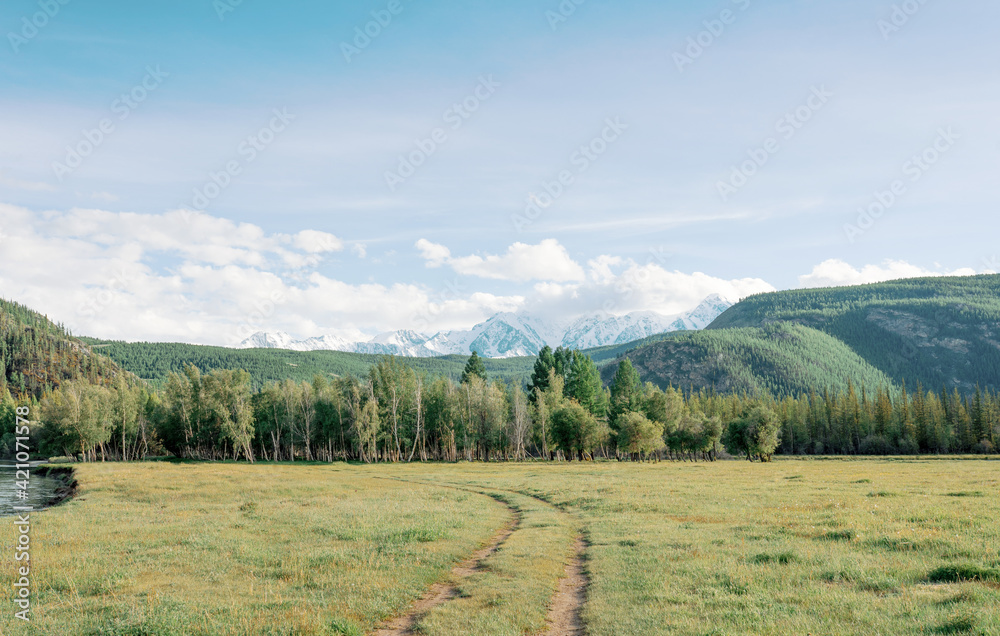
x=889, y=547
x=238, y=549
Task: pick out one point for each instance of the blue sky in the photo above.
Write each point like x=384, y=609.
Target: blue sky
x=448, y=244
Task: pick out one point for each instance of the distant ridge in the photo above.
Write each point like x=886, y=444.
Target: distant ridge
x=507, y=335
x=940, y=331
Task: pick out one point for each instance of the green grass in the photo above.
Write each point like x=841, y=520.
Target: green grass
x=733, y=548
x=510, y=596
x=234, y=549
x=794, y=547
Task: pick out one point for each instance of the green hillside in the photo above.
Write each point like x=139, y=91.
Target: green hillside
x=36, y=354
x=779, y=359
x=154, y=361
x=936, y=331
x=609, y=353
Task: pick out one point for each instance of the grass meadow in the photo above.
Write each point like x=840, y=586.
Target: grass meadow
x=891, y=547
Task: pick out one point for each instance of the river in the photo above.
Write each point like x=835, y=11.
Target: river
x=40, y=488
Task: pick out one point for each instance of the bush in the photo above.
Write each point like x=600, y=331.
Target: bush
x=984, y=447
x=908, y=446
x=877, y=445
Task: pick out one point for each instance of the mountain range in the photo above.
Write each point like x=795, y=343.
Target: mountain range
x=934, y=333
x=508, y=335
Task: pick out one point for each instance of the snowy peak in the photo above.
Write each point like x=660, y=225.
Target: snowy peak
x=403, y=338
x=709, y=309
x=265, y=340
x=507, y=335
x=504, y=335
x=594, y=331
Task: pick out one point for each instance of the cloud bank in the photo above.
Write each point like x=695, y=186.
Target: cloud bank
x=192, y=277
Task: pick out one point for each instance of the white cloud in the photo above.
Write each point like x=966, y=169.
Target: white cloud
x=360, y=250
x=315, y=242
x=837, y=273
x=600, y=268
x=192, y=277
x=547, y=261
x=435, y=255
x=619, y=286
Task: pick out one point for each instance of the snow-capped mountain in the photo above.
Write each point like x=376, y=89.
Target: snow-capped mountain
x=505, y=335
x=595, y=331
x=397, y=343
x=281, y=340
x=703, y=315
x=508, y=335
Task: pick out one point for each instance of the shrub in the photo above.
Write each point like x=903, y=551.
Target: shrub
x=984, y=447
x=877, y=445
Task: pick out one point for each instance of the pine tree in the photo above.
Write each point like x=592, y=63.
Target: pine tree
x=626, y=392
x=474, y=367
x=584, y=385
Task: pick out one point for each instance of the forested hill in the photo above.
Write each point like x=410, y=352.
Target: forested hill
x=936, y=331
x=36, y=354
x=153, y=362
x=777, y=359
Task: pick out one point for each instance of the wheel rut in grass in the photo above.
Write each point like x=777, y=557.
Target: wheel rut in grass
x=567, y=605
x=441, y=593
x=565, y=615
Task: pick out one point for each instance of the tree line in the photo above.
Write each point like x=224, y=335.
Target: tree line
x=393, y=413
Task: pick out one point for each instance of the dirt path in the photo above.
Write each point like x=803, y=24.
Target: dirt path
x=443, y=592
x=565, y=609
x=567, y=604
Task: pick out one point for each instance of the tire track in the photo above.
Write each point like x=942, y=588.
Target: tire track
x=566, y=606
x=565, y=616
x=440, y=593
x=565, y=611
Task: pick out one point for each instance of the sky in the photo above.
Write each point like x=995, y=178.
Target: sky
x=197, y=170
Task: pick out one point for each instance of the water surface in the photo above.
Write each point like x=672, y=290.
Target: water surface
x=40, y=488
